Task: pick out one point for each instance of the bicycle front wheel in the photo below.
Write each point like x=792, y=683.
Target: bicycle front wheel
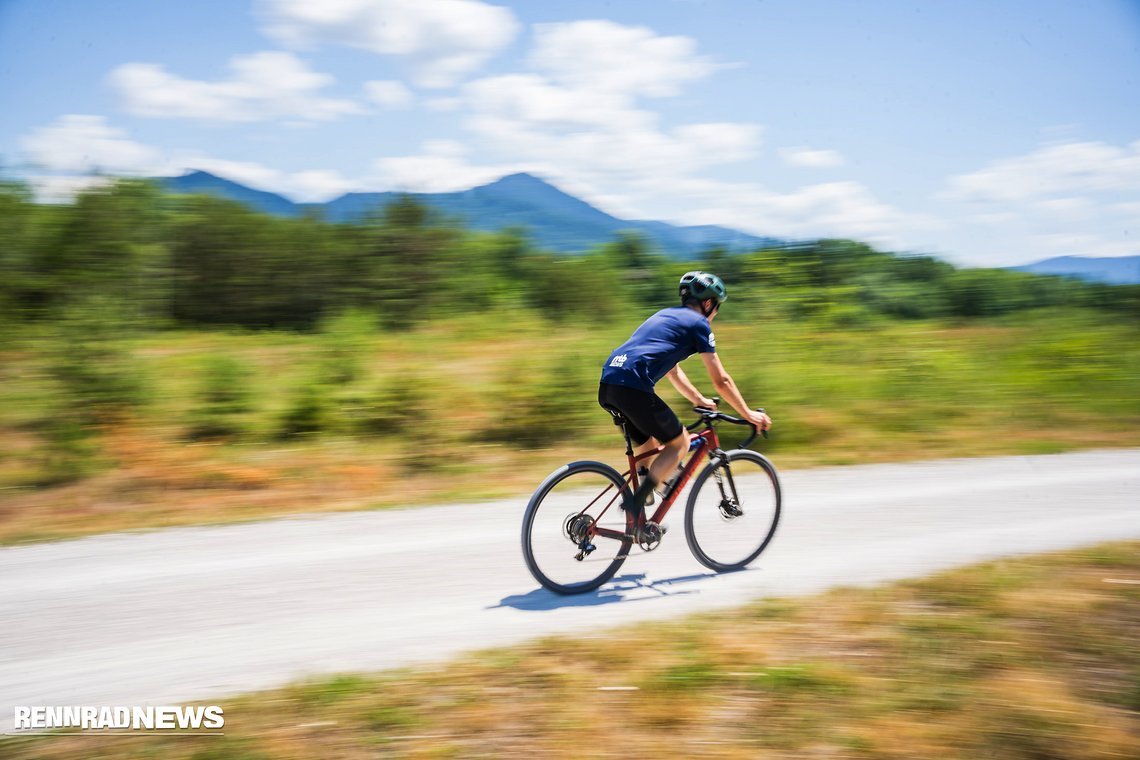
x=733, y=510
x=563, y=520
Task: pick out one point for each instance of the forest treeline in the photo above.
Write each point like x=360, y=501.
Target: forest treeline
x=184, y=261
x=183, y=318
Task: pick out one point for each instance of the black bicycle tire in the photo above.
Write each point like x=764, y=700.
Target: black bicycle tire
x=553, y=479
x=690, y=508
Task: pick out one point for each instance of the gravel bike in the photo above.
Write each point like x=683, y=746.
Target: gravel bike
x=575, y=534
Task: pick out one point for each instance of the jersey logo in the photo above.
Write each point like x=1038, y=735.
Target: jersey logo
x=619, y=361
x=712, y=340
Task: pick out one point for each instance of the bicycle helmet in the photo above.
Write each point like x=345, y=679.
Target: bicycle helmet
x=702, y=285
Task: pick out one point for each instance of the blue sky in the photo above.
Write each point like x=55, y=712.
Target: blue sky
x=989, y=133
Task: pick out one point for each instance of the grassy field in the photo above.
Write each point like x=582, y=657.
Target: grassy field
x=1032, y=658
x=485, y=406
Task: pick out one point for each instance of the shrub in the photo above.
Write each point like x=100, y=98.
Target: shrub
x=223, y=398
x=548, y=404
x=395, y=406
x=346, y=337
x=69, y=452
x=309, y=412
x=99, y=376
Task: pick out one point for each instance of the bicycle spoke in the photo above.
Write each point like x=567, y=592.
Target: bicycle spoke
x=561, y=540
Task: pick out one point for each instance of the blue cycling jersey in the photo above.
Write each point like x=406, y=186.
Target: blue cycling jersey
x=665, y=339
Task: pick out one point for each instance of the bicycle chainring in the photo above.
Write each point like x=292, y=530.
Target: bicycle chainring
x=649, y=537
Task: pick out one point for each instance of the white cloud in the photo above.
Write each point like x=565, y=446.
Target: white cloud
x=445, y=147
x=832, y=209
x=1083, y=244
x=1067, y=208
x=577, y=114
x=1072, y=198
x=50, y=188
x=618, y=155
x=80, y=151
x=582, y=114
x=443, y=104
x=443, y=39
x=1065, y=168
x=388, y=93
x=1128, y=208
x=317, y=185
x=994, y=218
x=440, y=168
x=84, y=144
x=811, y=158
x=534, y=100
x=265, y=85
x=601, y=56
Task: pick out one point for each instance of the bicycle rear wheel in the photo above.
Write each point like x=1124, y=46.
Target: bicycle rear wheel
x=733, y=510
x=562, y=518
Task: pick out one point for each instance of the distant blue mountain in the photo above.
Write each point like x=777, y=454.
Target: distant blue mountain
x=554, y=220
x=1122, y=270
x=204, y=183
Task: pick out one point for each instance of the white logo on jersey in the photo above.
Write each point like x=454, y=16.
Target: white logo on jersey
x=712, y=340
x=619, y=361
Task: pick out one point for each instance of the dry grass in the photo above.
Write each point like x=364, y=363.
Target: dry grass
x=1032, y=658
x=158, y=483
x=902, y=392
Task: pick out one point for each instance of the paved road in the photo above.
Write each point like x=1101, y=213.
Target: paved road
x=186, y=614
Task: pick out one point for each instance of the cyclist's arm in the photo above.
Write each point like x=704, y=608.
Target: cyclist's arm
x=686, y=388
x=725, y=385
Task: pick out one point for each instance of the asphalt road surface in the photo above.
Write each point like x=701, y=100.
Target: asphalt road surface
x=191, y=614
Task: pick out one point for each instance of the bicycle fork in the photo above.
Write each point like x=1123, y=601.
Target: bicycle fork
x=730, y=499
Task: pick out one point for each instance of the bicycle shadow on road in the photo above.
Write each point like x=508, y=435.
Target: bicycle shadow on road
x=621, y=589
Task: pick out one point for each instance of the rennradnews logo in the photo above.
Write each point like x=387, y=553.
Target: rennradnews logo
x=119, y=717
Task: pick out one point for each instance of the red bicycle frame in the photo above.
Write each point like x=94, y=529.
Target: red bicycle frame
x=700, y=446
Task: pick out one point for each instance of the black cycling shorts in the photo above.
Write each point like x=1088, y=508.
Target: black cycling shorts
x=649, y=416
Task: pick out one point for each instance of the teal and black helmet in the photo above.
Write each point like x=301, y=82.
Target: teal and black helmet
x=702, y=285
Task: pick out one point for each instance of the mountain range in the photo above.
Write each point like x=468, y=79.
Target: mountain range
x=560, y=222
x=552, y=218
x=1114, y=270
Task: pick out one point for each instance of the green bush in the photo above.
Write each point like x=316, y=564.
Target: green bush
x=99, y=376
x=397, y=404
x=345, y=340
x=545, y=404
x=309, y=413
x=70, y=451
x=223, y=398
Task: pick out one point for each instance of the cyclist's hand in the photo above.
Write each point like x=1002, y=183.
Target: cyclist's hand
x=759, y=419
x=707, y=403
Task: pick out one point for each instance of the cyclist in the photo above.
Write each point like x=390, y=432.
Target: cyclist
x=654, y=351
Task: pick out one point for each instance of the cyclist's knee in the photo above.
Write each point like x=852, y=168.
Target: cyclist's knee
x=679, y=444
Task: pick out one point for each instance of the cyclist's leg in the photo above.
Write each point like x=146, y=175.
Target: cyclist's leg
x=665, y=463
x=649, y=445
x=654, y=418
x=643, y=466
